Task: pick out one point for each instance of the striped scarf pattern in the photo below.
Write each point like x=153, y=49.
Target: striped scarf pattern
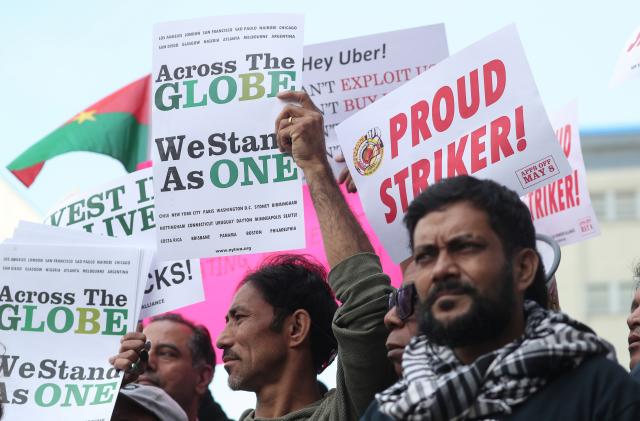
x=437, y=386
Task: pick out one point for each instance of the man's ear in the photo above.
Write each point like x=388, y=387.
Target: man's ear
x=205, y=375
x=298, y=327
x=525, y=266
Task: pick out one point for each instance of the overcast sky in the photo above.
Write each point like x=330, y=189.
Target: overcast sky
x=58, y=57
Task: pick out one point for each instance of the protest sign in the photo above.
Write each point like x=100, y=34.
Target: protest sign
x=477, y=112
x=562, y=209
x=63, y=310
x=342, y=77
x=221, y=185
x=125, y=208
x=628, y=65
x=222, y=274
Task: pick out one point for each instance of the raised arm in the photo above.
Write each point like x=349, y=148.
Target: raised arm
x=300, y=131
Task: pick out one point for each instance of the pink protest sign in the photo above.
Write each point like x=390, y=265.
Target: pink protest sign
x=221, y=275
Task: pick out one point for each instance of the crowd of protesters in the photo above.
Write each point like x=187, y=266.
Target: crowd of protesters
x=468, y=335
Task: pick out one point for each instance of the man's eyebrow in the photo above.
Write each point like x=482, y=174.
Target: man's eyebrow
x=168, y=345
x=236, y=309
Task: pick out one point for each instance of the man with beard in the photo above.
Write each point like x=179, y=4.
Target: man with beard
x=181, y=361
x=283, y=325
x=489, y=348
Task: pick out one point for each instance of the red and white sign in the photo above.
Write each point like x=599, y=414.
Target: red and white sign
x=562, y=209
x=343, y=77
x=477, y=112
x=628, y=65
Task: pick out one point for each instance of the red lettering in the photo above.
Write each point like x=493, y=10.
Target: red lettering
x=539, y=210
x=565, y=141
x=551, y=192
x=576, y=183
x=492, y=92
x=561, y=202
x=468, y=110
x=400, y=178
x=568, y=183
x=419, y=174
x=500, y=128
x=445, y=94
x=348, y=105
x=477, y=148
x=419, y=129
x=387, y=200
x=397, y=128
x=437, y=158
x=455, y=164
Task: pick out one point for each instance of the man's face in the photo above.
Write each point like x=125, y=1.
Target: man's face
x=633, y=321
x=401, y=331
x=170, y=364
x=253, y=354
x=465, y=283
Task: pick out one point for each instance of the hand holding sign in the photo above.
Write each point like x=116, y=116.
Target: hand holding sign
x=131, y=352
x=300, y=131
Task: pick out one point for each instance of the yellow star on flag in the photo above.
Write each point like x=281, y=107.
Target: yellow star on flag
x=84, y=116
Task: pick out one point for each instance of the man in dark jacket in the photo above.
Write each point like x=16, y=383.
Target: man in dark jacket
x=489, y=348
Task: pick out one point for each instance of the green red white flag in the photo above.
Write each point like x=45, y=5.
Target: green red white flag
x=117, y=125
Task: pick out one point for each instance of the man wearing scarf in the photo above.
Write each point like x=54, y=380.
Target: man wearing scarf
x=488, y=346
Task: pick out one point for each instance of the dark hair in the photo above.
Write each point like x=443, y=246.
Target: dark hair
x=200, y=342
x=508, y=216
x=290, y=282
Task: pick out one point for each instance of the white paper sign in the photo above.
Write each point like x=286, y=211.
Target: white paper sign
x=477, y=112
x=222, y=186
x=125, y=208
x=562, y=209
x=62, y=313
x=343, y=77
x=628, y=65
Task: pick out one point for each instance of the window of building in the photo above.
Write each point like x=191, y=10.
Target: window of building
x=611, y=298
x=626, y=205
x=599, y=203
x=598, y=299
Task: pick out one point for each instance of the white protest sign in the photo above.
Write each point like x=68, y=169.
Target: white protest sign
x=222, y=186
x=477, y=112
x=562, y=209
x=628, y=65
x=125, y=208
x=63, y=310
x=342, y=77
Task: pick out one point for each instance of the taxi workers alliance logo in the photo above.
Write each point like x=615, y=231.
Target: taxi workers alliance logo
x=368, y=152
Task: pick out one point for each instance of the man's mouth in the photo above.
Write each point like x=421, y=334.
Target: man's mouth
x=394, y=352
x=634, y=339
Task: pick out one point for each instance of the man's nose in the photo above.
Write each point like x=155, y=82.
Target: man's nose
x=152, y=362
x=445, y=267
x=633, y=320
x=391, y=319
x=224, y=339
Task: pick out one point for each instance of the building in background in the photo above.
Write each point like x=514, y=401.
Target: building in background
x=595, y=277
x=13, y=207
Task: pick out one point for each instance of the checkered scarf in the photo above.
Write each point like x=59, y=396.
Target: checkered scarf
x=437, y=386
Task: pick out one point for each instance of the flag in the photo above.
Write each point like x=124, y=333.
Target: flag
x=117, y=125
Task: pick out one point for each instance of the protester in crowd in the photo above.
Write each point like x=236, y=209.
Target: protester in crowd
x=489, y=348
x=146, y=403
x=181, y=361
x=283, y=326
x=633, y=321
x=401, y=320
x=402, y=323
